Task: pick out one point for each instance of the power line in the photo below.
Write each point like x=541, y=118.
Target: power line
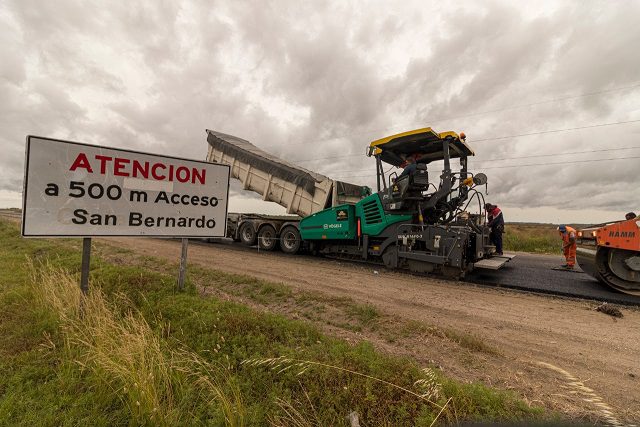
x=497, y=110
x=525, y=165
x=498, y=137
x=555, y=131
x=479, y=113
x=527, y=157
x=559, y=154
x=563, y=163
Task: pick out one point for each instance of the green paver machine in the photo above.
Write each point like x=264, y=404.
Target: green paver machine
x=413, y=220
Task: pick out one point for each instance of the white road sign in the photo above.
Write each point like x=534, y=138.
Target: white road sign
x=74, y=189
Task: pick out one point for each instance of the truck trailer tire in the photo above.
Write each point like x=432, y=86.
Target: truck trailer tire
x=247, y=234
x=290, y=240
x=267, y=238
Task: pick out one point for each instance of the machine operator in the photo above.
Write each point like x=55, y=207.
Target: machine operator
x=410, y=165
x=496, y=222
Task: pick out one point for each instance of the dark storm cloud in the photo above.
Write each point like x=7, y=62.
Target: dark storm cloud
x=316, y=80
x=323, y=66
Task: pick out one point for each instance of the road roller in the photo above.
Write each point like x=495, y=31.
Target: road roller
x=610, y=252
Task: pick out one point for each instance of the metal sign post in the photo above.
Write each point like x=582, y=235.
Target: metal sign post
x=86, y=261
x=183, y=264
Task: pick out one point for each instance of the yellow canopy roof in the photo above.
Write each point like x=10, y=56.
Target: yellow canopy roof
x=425, y=142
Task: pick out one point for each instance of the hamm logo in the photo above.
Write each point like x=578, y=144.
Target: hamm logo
x=622, y=234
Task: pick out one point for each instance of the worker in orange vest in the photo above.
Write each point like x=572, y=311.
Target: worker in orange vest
x=569, y=245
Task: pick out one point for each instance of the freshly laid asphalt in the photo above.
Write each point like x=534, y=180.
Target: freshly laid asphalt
x=534, y=273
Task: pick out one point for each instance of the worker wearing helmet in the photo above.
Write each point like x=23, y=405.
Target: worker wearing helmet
x=568, y=235
x=495, y=220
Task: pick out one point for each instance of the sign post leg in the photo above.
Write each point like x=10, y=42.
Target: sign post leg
x=86, y=259
x=183, y=264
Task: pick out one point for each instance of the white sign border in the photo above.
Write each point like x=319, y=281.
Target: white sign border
x=167, y=236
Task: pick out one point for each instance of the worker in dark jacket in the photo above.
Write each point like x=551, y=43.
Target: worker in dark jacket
x=410, y=165
x=495, y=220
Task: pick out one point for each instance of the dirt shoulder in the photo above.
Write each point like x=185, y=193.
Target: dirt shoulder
x=555, y=352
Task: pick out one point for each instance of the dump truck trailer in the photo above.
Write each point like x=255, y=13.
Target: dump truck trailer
x=411, y=222
x=300, y=191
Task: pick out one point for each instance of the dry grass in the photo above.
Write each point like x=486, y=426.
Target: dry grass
x=469, y=341
x=295, y=414
x=128, y=356
x=426, y=389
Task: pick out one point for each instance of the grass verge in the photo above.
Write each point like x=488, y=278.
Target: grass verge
x=143, y=353
x=340, y=312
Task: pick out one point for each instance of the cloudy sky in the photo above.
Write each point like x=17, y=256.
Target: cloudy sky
x=547, y=91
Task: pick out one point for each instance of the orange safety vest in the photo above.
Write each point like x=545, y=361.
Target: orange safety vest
x=569, y=248
x=570, y=233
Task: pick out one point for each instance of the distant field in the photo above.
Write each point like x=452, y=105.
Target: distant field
x=534, y=238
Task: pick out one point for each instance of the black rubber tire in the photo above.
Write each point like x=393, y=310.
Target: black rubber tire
x=267, y=238
x=290, y=240
x=247, y=234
